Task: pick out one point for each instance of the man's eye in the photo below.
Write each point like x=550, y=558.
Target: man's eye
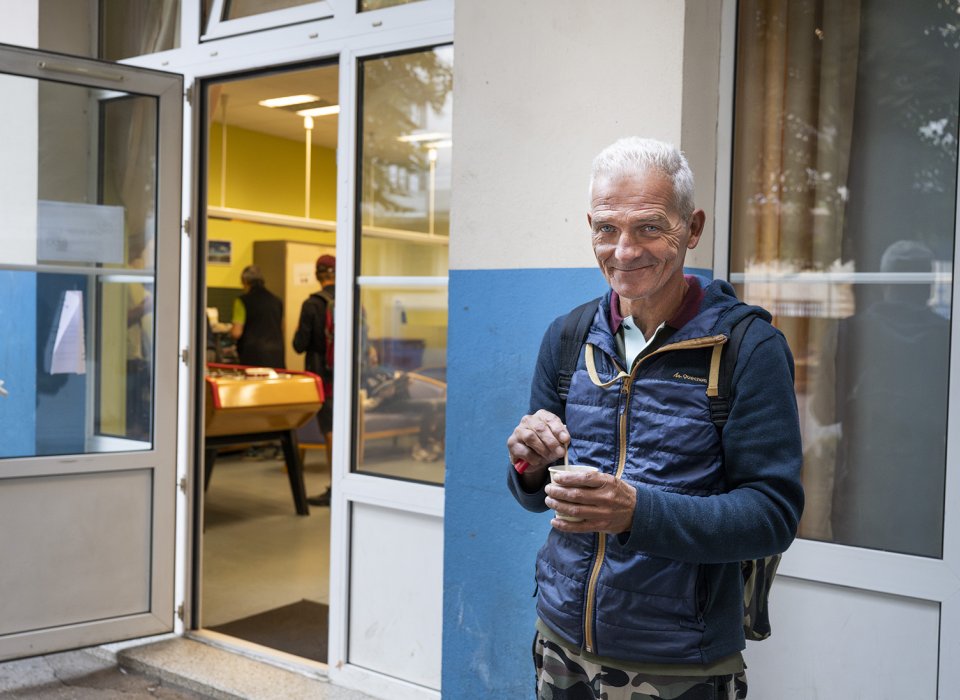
x=605, y=228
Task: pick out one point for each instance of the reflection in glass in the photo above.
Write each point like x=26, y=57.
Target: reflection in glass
x=366, y=5
x=404, y=262
x=77, y=273
x=234, y=9
x=845, y=161
x=138, y=28
x=405, y=179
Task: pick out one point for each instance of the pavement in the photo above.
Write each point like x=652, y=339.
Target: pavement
x=176, y=668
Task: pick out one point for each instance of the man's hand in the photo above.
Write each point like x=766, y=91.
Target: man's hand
x=605, y=503
x=540, y=440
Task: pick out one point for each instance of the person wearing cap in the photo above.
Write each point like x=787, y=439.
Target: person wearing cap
x=257, y=322
x=314, y=336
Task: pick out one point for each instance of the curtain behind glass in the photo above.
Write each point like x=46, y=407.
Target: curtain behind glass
x=234, y=9
x=845, y=163
x=367, y=5
x=138, y=28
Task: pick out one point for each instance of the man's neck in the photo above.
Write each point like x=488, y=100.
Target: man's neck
x=649, y=313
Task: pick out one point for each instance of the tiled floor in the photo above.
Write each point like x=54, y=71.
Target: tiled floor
x=258, y=554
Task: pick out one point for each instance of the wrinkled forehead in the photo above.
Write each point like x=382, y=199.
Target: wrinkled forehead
x=634, y=190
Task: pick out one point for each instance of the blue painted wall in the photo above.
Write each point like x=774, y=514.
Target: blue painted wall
x=18, y=368
x=497, y=318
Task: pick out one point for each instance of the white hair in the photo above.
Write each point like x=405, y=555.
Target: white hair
x=636, y=156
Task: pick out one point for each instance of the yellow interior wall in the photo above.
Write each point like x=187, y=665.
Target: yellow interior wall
x=113, y=360
x=242, y=235
x=265, y=173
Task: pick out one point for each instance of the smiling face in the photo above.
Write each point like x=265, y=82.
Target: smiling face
x=639, y=237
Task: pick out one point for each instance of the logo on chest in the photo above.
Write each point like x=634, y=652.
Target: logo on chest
x=689, y=378
x=692, y=370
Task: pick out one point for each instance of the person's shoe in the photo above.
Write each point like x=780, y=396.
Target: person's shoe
x=322, y=500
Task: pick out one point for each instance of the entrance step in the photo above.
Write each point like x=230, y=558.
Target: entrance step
x=225, y=675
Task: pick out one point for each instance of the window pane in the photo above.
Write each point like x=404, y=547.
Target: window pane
x=138, y=28
x=405, y=226
x=845, y=162
x=366, y=5
x=77, y=271
x=235, y=9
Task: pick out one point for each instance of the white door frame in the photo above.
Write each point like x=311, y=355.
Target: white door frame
x=348, y=36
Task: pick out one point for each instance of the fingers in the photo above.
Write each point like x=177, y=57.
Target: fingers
x=605, y=504
x=539, y=439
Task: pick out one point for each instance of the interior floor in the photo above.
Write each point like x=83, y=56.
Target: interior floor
x=258, y=554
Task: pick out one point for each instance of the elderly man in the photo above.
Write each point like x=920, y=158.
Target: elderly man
x=642, y=597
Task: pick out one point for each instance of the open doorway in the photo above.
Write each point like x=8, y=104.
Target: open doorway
x=269, y=193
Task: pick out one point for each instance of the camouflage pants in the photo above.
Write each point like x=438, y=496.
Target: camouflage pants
x=564, y=675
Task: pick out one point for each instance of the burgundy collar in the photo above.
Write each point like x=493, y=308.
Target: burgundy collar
x=689, y=307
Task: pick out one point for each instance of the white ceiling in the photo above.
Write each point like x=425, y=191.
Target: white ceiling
x=242, y=108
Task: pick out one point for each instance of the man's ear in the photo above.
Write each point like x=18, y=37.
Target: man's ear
x=697, y=221
x=590, y=221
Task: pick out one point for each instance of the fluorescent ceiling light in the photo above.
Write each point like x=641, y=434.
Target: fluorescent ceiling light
x=289, y=100
x=319, y=111
x=428, y=136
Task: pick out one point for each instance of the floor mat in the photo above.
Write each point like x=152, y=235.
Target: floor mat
x=299, y=629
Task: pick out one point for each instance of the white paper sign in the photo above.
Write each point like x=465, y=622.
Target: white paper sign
x=73, y=232
x=304, y=274
x=69, y=353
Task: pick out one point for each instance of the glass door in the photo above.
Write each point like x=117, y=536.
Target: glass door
x=89, y=300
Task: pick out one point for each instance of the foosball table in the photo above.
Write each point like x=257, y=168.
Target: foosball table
x=255, y=404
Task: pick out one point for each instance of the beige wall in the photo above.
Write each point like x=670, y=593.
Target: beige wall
x=562, y=83
x=18, y=142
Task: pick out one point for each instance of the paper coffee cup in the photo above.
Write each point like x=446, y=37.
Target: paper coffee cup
x=570, y=468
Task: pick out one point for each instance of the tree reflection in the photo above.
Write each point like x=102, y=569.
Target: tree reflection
x=402, y=95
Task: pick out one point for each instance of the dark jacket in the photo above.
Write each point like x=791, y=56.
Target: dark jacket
x=311, y=336
x=670, y=589
x=261, y=344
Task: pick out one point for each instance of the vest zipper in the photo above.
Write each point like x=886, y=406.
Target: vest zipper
x=707, y=341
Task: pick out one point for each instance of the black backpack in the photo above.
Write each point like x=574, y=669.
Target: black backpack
x=757, y=573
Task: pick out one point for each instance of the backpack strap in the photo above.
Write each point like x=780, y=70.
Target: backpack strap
x=722, y=363
x=326, y=296
x=573, y=334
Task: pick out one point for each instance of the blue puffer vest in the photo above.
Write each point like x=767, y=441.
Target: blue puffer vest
x=650, y=427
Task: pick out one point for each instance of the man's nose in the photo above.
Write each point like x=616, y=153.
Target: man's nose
x=628, y=248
